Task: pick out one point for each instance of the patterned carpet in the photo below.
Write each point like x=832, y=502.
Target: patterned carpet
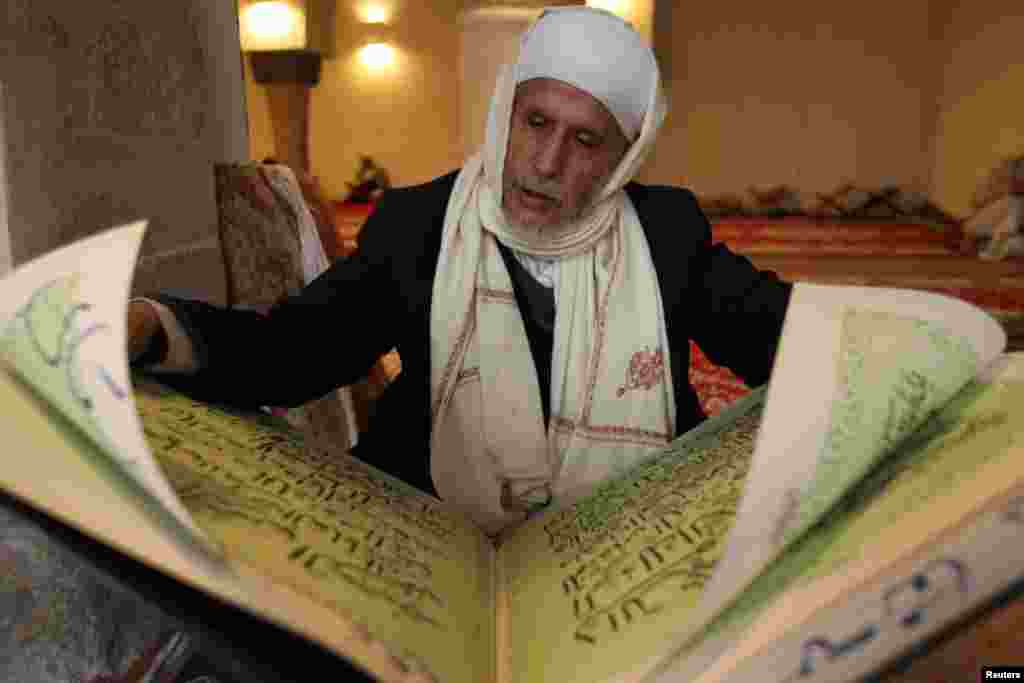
x=824, y=236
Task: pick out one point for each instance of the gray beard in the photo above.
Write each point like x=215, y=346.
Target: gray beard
x=537, y=229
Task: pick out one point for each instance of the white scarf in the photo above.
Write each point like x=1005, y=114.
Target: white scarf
x=612, y=399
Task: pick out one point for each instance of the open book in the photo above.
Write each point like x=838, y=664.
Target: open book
x=820, y=526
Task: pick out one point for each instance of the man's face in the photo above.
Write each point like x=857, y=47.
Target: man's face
x=562, y=146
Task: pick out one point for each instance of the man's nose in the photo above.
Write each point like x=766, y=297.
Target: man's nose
x=550, y=156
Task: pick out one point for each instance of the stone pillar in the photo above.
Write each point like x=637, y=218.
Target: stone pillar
x=117, y=111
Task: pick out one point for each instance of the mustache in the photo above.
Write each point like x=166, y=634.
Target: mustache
x=551, y=190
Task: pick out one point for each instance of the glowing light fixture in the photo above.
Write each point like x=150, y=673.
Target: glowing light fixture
x=377, y=55
x=375, y=13
x=272, y=25
x=377, y=52
x=286, y=39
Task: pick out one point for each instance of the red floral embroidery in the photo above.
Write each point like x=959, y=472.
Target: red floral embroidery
x=645, y=370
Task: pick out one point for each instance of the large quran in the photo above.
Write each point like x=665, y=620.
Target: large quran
x=860, y=502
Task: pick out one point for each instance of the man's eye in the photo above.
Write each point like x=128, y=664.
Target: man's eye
x=535, y=121
x=588, y=140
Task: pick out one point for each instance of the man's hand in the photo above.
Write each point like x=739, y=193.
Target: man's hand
x=143, y=324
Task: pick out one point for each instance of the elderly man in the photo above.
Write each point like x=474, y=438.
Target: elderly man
x=542, y=303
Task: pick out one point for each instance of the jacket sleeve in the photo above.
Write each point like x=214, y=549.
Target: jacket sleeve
x=739, y=311
x=327, y=336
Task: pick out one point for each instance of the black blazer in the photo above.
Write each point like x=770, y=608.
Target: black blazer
x=339, y=325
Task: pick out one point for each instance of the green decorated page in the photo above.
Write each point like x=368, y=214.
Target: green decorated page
x=965, y=454
x=62, y=320
x=858, y=370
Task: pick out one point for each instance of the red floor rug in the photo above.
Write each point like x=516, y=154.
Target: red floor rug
x=825, y=236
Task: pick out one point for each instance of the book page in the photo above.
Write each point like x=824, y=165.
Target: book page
x=600, y=586
x=379, y=553
x=858, y=369
x=54, y=467
x=62, y=331
x=969, y=452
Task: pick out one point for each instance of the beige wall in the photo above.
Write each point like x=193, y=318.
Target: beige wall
x=405, y=117
x=981, y=96
x=489, y=39
x=805, y=93
x=116, y=111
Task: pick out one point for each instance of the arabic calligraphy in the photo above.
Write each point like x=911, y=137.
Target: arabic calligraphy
x=974, y=430
x=905, y=604
x=908, y=600
x=887, y=389
x=651, y=541
x=334, y=522
x=975, y=425
x=820, y=649
x=54, y=326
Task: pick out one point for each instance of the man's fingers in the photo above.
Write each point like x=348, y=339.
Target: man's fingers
x=143, y=323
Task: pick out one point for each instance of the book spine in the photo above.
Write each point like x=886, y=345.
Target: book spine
x=882, y=621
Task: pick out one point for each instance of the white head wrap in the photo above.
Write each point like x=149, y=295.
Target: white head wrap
x=599, y=66
x=609, y=60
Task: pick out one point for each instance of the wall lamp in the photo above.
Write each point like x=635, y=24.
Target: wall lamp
x=378, y=39
x=286, y=40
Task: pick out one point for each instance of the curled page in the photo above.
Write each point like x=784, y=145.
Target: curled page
x=857, y=371
x=62, y=332
x=929, y=534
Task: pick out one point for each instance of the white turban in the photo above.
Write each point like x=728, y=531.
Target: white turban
x=597, y=52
